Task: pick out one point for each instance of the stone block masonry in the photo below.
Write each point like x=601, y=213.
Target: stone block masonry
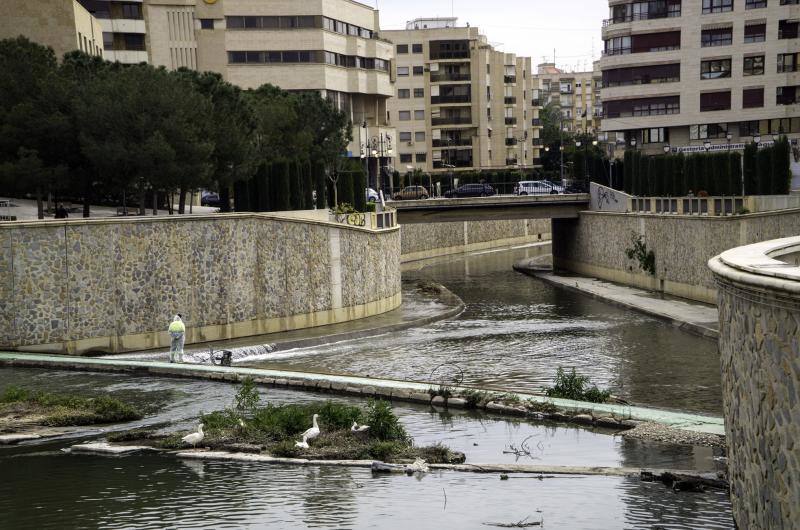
x=111, y=285
x=594, y=245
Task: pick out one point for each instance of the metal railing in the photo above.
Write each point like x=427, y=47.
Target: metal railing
x=511, y=121
x=455, y=142
x=438, y=56
x=710, y=206
x=450, y=76
x=438, y=100
x=509, y=79
x=452, y=120
x=510, y=101
x=641, y=16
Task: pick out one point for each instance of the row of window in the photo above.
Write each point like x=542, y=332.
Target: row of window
x=419, y=136
x=307, y=56
x=405, y=93
x=752, y=33
x=754, y=65
x=297, y=22
x=406, y=158
x=712, y=131
x=403, y=48
x=405, y=115
x=724, y=6
x=402, y=71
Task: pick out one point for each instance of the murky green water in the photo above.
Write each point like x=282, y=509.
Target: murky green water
x=515, y=333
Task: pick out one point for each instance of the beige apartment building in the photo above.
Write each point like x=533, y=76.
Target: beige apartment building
x=124, y=29
x=692, y=75
x=459, y=103
x=64, y=25
x=576, y=94
x=330, y=46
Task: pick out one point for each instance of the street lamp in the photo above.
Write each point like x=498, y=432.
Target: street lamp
x=667, y=149
x=594, y=143
x=757, y=139
x=707, y=145
x=633, y=143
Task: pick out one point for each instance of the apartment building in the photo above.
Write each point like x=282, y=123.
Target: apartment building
x=64, y=25
x=459, y=103
x=695, y=74
x=329, y=46
x=576, y=94
x=124, y=29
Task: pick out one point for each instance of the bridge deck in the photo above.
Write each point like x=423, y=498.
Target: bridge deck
x=491, y=208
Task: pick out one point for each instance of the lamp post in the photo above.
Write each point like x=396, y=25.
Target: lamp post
x=381, y=148
x=707, y=145
x=729, y=137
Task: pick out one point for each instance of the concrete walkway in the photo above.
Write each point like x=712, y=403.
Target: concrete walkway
x=694, y=317
x=362, y=386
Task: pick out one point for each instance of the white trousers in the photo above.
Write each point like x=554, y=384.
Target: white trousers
x=176, y=347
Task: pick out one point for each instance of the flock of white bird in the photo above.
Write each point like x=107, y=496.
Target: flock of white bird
x=197, y=437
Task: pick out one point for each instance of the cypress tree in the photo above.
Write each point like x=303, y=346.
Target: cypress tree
x=735, y=175
x=282, y=186
x=781, y=178
x=750, y=169
x=359, y=187
x=320, y=184
x=643, y=177
x=689, y=181
x=627, y=172
x=764, y=171
x=345, y=185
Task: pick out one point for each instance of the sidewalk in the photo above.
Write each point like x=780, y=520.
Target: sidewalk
x=694, y=317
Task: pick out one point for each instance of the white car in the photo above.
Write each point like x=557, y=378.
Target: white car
x=537, y=187
x=372, y=195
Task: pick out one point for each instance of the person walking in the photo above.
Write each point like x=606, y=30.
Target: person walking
x=177, y=331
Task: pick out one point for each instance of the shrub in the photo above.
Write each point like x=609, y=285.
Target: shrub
x=473, y=398
x=247, y=397
x=383, y=424
x=645, y=258
x=573, y=386
x=750, y=169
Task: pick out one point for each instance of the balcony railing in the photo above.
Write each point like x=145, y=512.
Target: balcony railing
x=450, y=76
x=510, y=101
x=452, y=142
x=536, y=103
x=452, y=120
x=641, y=16
x=788, y=33
x=509, y=79
x=438, y=100
x=461, y=54
x=627, y=51
x=511, y=161
x=536, y=122
x=511, y=121
x=537, y=142
x=442, y=164
x=511, y=141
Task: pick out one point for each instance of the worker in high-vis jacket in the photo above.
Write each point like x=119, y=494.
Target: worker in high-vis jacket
x=177, y=331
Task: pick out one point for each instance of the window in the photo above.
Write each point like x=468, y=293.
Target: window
x=422, y=157
x=749, y=128
x=419, y=114
x=754, y=65
x=712, y=101
x=752, y=98
x=418, y=70
x=416, y=48
x=715, y=69
x=704, y=132
x=405, y=136
x=402, y=71
x=419, y=92
x=403, y=93
x=206, y=23
x=716, y=37
x=717, y=6
x=755, y=4
x=788, y=29
x=405, y=115
x=787, y=95
x=405, y=158
x=108, y=40
x=755, y=33
x=618, y=46
x=133, y=11
x=402, y=48
x=419, y=136
x=787, y=62
x=656, y=135
x=642, y=107
x=642, y=75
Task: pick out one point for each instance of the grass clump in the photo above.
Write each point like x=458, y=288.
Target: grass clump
x=473, y=398
x=61, y=410
x=570, y=385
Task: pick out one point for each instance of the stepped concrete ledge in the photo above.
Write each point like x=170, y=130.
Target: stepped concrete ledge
x=354, y=385
x=694, y=317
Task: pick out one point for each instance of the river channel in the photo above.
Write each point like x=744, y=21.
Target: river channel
x=516, y=331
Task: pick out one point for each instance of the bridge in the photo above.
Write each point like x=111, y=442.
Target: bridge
x=496, y=208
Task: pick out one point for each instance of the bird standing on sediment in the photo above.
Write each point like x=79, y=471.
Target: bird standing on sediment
x=310, y=434
x=359, y=428
x=194, y=438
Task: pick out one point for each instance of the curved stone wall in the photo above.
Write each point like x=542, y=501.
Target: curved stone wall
x=759, y=312
x=111, y=285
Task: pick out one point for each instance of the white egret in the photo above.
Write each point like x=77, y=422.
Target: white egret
x=194, y=438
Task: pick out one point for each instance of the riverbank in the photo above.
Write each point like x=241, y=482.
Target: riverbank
x=690, y=316
x=494, y=400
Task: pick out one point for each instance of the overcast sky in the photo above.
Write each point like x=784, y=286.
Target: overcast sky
x=525, y=27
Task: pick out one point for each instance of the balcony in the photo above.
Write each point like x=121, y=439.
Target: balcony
x=788, y=30
x=537, y=142
x=536, y=103
x=634, y=17
x=451, y=120
x=511, y=161
x=511, y=142
x=511, y=121
x=442, y=164
x=510, y=101
x=461, y=98
x=448, y=55
x=443, y=77
x=452, y=142
x=536, y=122
x=509, y=79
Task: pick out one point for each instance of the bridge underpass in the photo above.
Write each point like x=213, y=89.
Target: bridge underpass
x=497, y=208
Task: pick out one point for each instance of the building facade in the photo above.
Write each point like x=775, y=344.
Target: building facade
x=329, y=46
x=691, y=75
x=124, y=29
x=460, y=104
x=576, y=94
x=64, y=25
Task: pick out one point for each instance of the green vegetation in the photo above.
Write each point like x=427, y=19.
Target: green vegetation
x=638, y=252
x=91, y=131
x=61, y=410
x=570, y=385
x=474, y=398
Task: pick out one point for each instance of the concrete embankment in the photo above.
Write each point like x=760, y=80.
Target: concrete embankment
x=694, y=317
x=518, y=404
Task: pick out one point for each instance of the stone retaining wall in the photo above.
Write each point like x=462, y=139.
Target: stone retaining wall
x=759, y=328
x=421, y=241
x=111, y=285
x=595, y=244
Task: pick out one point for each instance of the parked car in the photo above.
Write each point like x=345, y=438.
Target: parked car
x=537, y=187
x=372, y=195
x=410, y=193
x=209, y=198
x=577, y=186
x=471, y=190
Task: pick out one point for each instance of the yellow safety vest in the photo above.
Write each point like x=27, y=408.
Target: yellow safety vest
x=177, y=327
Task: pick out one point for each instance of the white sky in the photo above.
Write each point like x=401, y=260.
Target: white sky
x=525, y=27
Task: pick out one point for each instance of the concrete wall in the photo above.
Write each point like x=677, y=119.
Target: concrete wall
x=759, y=314
x=595, y=244
x=421, y=241
x=112, y=285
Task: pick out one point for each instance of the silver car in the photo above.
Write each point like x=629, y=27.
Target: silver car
x=537, y=187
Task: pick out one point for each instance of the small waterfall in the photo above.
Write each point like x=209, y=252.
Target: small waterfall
x=238, y=354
